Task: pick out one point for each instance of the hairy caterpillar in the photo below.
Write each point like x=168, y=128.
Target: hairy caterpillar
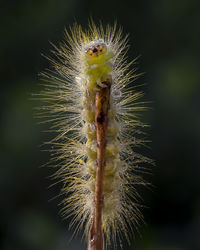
x=91, y=102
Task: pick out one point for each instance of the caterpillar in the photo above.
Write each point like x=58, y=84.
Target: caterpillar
x=89, y=98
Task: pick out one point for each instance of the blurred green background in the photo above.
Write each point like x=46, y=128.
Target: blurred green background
x=166, y=35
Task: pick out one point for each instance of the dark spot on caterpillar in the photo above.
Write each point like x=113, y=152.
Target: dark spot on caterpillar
x=101, y=117
x=95, y=50
x=107, y=82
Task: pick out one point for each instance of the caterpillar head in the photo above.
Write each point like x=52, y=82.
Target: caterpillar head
x=96, y=50
x=98, y=60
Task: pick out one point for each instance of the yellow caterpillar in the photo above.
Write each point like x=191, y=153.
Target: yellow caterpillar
x=91, y=102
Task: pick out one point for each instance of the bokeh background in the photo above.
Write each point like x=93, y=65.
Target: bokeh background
x=166, y=35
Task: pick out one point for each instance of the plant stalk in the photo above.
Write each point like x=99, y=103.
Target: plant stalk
x=102, y=103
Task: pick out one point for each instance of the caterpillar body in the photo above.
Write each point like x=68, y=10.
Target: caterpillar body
x=91, y=100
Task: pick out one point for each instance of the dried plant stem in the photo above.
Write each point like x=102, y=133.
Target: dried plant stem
x=102, y=102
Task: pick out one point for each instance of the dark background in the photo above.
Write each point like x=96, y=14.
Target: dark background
x=166, y=35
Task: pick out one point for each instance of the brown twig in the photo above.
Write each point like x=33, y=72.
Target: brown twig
x=102, y=102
